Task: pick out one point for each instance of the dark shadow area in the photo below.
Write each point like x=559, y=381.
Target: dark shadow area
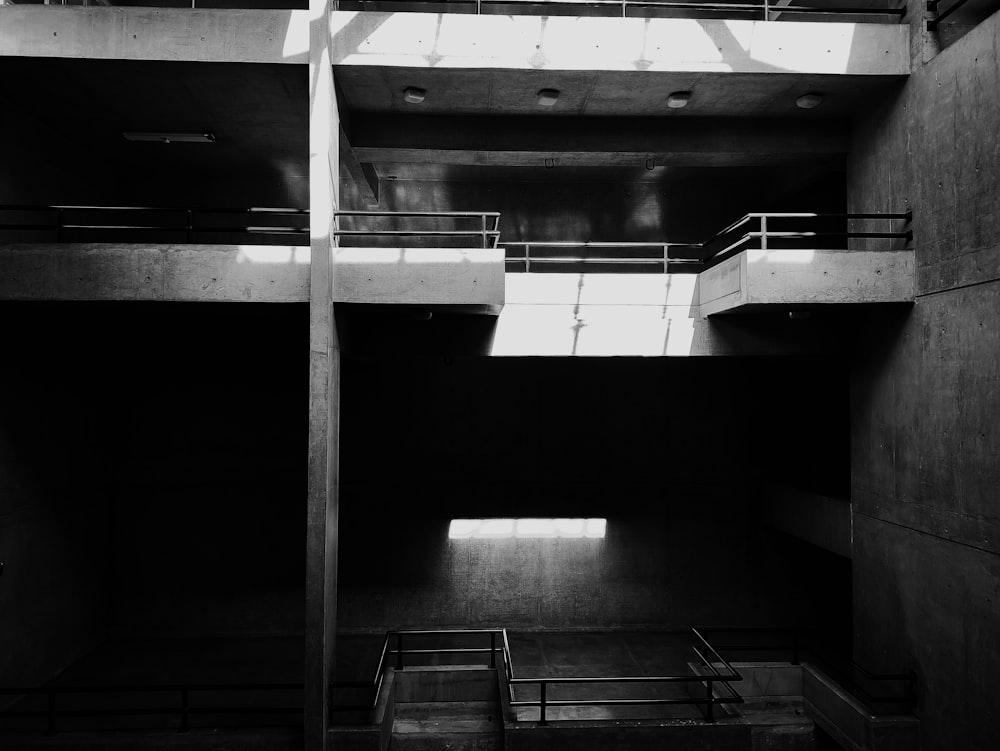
x=668, y=450
x=154, y=510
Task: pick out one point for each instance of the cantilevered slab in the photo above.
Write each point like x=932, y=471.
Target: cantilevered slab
x=206, y=273
x=629, y=315
x=772, y=279
x=419, y=276
x=221, y=36
x=566, y=43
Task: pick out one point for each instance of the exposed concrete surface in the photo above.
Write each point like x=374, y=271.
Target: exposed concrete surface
x=419, y=276
x=205, y=273
x=806, y=277
x=926, y=407
x=259, y=36
x=812, y=517
x=640, y=44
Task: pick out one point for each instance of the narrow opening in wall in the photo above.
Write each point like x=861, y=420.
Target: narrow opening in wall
x=463, y=529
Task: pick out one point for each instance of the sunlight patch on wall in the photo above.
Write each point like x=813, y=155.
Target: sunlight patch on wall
x=495, y=529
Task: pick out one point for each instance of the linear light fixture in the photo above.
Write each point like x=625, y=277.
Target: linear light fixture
x=132, y=135
x=498, y=529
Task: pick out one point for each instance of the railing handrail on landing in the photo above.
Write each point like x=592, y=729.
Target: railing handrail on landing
x=715, y=678
x=489, y=235
x=765, y=8
x=183, y=709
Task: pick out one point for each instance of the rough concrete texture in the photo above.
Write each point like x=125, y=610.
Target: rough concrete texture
x=638, y=441
x=925, y=402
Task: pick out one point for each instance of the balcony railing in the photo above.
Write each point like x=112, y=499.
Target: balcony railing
x=177, y=706
x=765, y=10
x=715, y=679
x=202, y=4
x=83, y=224
x=461, y=228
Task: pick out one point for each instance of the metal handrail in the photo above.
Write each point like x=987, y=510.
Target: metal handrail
x=765, y=8
x=797, y=646
x=184, y=710
x=490, y=235
x=716, y=678
x=185, y=219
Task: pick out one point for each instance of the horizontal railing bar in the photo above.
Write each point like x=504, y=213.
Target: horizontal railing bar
x=448, y=632
x=932, y=24
x=725, y=662
x=588, y=244
x=149, y=687
x=67, y=207
x=137, y=712
x=432, y=214
x=613, y=702
x=157, y=227
x=522, y=259
x=443, y=651
x=710, y=7
x=418, y=233
x=622, y=679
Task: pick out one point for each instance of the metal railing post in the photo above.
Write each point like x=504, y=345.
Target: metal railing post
x=666, y=259
x=485, y=246
x=711, y=703
x=527, y=259
x=493, y=649
x=59, y=225
x=399, y=650
x=185, y=708
x=50, y=727
x=541, y=702
x=624, y=8
x=767, y=11
x=190, y=224
x=763, y=233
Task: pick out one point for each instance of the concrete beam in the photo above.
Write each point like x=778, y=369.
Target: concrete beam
x=814, y=518
x=595, y=141
x=419, y=276
x=202, y=273
x=763, y=278
x=103, y=33
x=363, y=173
x=423, y=40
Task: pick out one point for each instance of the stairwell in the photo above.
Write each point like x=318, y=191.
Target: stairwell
x=446, y=708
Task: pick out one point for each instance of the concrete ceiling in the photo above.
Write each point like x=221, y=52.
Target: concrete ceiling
x=605, y=93
x=61, y=132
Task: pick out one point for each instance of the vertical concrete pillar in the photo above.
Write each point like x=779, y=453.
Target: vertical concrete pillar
x=324, y=386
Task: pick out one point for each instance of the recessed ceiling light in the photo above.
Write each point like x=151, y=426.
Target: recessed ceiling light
x=170, y=137
x=414, y=95
x=548, y=97
x=678, y=99
x=808, y=101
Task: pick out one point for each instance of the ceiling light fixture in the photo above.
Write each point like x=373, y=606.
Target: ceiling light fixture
x=808, y=101
x=549, y=163
x=414, y=94
x=169, y=137
x=650, y=163
x=548, y=97
x=678, y=99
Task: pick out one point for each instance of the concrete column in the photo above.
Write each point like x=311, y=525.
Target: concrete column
x=324, y=386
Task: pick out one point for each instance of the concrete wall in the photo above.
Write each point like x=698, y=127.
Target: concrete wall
x=666, y=450
x=925, y=402
x=54, y=504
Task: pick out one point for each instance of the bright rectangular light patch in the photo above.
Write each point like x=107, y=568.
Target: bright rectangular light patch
x=465, y=529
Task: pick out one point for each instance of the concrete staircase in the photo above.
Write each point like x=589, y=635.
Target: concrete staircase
x=455, y=726
x=446, y=708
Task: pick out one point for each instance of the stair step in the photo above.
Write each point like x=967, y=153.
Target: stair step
x=450, y=710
